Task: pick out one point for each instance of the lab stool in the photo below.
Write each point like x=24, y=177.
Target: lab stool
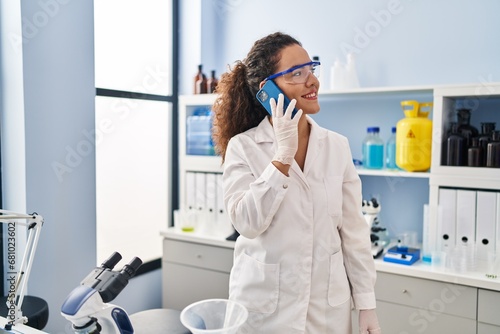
x=158, y=321
x=34, y=308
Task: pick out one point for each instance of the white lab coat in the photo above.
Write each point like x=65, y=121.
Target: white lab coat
x=304, y=251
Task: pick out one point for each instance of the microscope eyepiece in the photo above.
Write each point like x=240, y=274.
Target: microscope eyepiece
x=111, y=262
x=129, y=269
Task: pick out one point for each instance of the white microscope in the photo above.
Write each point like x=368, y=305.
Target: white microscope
x=371, y=209
x=87, y=308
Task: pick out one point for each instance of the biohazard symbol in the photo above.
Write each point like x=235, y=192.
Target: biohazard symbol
x=410, y=134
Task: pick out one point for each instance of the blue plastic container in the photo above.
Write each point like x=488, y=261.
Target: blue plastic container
x=199, y=133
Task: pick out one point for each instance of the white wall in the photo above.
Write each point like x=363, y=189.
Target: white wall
x=60, y=161
x=397, y=42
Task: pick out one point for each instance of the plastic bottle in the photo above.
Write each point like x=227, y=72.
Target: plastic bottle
x=455, y=147
x=493, y=151
x=475, y=154
x=337, y=79
x=487, y=129
x=373, y=149
x=352, y=80
x=414, y=137
x=464, y=128
x=390, y=157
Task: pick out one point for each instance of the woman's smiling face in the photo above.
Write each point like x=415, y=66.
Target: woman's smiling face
x=305, y=93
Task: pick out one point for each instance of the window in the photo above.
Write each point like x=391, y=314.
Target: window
x=136, y=103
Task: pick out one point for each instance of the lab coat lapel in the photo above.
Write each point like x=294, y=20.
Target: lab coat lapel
x=315, y=145
x=265, y=133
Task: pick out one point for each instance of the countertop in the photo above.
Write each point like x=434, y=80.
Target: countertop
x=419, y=269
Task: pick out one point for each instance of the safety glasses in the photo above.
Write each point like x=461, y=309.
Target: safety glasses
x=298, y=74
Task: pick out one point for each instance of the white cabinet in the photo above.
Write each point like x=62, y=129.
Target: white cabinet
x=488, y=302
x=194, y=269
x=415, y=305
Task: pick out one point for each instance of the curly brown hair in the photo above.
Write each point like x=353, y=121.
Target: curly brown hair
x=236, y=108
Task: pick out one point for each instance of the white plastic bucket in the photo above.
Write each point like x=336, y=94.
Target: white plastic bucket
x=214, y=316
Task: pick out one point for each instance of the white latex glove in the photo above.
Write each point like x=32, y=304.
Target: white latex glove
x=285, y=130
x=368, y=322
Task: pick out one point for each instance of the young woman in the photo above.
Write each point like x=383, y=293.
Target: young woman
x=292, y=192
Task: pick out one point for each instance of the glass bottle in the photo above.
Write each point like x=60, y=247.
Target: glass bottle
x=475, y=154
x=390, y=161
x=485, y=137
x=455, y=147
x=493, y=151
x=201, y=85
x=464, y=128
x=197, y=78
x=373, y=149
x=212, y=83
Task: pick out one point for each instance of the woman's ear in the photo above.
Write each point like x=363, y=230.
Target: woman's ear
x=262, y=84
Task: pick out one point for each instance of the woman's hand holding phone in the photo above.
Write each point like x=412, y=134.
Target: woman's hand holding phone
x=285, y=130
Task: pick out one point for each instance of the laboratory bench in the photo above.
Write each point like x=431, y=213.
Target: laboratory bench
x=414, y=298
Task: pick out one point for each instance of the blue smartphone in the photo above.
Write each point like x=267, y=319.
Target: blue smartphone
x=271, y=90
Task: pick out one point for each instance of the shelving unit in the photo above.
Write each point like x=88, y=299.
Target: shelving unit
x=444, y=97
x=189, y=103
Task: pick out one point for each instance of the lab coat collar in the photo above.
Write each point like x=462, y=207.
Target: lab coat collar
x=265, y=133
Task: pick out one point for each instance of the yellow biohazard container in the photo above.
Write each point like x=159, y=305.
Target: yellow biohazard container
x=414, y=137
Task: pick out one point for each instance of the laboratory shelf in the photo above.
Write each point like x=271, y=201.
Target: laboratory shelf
x=202, y=163
x=392, y=173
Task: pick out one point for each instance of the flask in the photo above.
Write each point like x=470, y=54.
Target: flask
x=414, y=137
x=455, y=147
x=212, y=83
x=475, y=154
x=390, y=161
x=493, y=151
x=485, y=137
x=373, y=149
x=197, y=78
x=464, y=128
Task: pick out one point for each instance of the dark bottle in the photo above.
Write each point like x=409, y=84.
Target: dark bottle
x=201, y=85
x=475, y=154
x=464, y=128
x=455, y=147
x=493, y=151
x=198, y=77
x=485, y=137
x=212, y=83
